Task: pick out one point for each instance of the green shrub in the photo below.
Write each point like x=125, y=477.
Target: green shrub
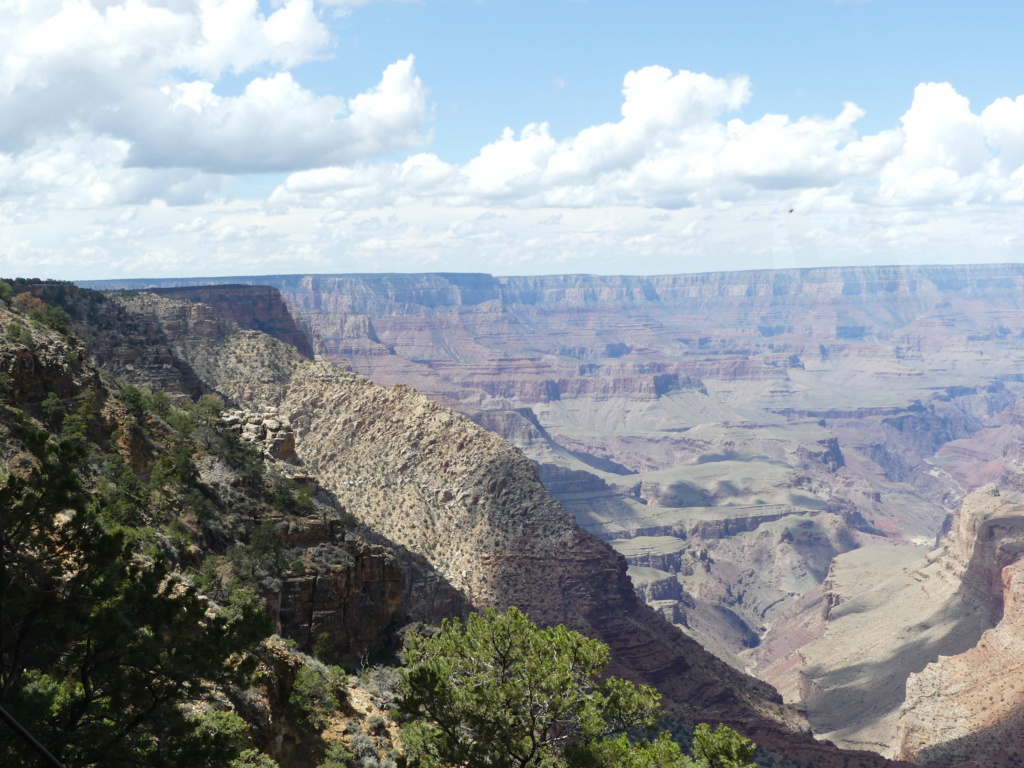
x=377, y=724
x=251, y=758
x=134, y=401
x=363, y=746
x=19, y=334
x=315, y=694
x=337, y=756
x=323, y=646
x=53, y=409
x=85, y=418
x=383, y=684
x=52, y=317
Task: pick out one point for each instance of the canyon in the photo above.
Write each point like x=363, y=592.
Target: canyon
x=762, y=448
x=449, y=497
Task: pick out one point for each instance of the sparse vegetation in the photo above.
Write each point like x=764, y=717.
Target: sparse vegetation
x=318, y=691
x=163, y=536
x=63, y=665
x=497, y=692
x=337, y=756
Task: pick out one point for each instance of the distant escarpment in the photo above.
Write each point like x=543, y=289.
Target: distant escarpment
x=743, y=434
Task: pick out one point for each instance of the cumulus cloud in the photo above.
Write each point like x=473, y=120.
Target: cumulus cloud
x=119, y=139
x=274, y=125
x=86, y=171
x=951, y=155
x=77, y=68
x=675, y=147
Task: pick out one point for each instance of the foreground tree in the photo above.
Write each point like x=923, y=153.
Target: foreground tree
x=497, y=692
x=99, y=651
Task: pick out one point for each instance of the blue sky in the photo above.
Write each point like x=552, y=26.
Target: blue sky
x=190, y=137
x=494, y=64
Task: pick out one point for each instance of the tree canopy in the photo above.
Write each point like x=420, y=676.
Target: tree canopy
x=498, y=692
x=99, y=650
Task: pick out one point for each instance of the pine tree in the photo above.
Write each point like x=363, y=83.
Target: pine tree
x=98, y=650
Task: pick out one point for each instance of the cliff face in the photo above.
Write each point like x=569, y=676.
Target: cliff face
x=912, y=652
x=970, y=706
x=723, y=411
x=37, y=364
x=358, y=587
x=473, y=510
x=257, y=308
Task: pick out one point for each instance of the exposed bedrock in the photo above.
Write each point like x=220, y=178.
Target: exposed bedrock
x=473, y=509
x=258, y=308
x=894, y=651
x=357, y=588
x=38, y=364
x=867, y=401
x=969, y=706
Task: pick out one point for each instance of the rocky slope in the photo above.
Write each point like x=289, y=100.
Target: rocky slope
x=323, y=576
x=650, y=401
x=969, y=706
x=474, y=509
x=355, y=587
x=254, y=307
x=911, y=652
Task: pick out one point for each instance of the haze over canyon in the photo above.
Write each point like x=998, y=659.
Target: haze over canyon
x=777, y=455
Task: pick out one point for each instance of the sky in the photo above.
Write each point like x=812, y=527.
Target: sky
x=175, y=138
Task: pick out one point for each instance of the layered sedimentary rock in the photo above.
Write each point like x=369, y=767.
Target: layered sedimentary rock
x=769, y=418
x=817, y=389
x=36, y=365
x=910, y=651
x=257, y=308
x=473, y=508
x=358, y=587
x=970, y=706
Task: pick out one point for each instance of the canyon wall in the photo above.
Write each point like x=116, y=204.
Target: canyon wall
x=912, y=652
x=656, y=405
x=472, y=507
x=969, y=707
x=737, y=437
x=257, y=308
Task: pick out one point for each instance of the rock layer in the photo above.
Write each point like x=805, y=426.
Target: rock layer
x=897, y=650
x=970, y=706
x=474, y=509
x=815, y=389
x=257, y=308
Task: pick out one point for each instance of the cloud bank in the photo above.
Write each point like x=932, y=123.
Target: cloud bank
x=676, y=147
x=125, y=126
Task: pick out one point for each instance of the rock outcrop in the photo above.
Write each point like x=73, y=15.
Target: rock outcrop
x=256, y=308
x=860, y=399
x=473, y=509
x=911, y=652
x=36, y=364
x=969, y=707
x=816, y=389
x=357, y=588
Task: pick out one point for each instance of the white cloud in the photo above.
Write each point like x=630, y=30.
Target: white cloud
x=77, y=68
x=949, y=155
x=347, y=5
x=274, y=125
x=119, y=139
x=674, y=148
x=87, y=171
